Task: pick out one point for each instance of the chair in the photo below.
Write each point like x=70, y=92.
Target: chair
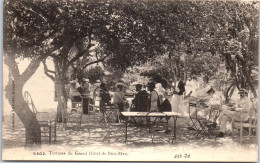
x=210, y=122
x=194, y=121
x=246, y=128
x=109, y=113
x=74, y=114
x=157, y=125
x=46, y=120
x=47, y=125
x=204, y=127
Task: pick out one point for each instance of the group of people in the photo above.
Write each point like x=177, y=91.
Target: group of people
x=241, y=110
x=155, y=99
x=80, y=91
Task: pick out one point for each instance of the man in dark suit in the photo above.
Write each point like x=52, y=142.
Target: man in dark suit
x=140, y=101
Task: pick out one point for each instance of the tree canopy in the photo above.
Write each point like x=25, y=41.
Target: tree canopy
x=194, y=36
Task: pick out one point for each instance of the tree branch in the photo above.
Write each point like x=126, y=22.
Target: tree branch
x=46, y=71
x=97, y=61
x=30, y=70
x=35, y=63
x=80, y=54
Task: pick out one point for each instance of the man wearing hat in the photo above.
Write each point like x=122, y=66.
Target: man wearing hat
x=243, y=109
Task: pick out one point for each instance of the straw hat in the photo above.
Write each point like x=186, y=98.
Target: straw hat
x=86, y=80
x=73, y=82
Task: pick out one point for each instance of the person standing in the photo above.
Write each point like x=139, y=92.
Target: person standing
x=86, y=95
x=177, y=97
x=96, y=95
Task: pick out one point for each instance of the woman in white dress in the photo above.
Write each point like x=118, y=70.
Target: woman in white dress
x=178, y=97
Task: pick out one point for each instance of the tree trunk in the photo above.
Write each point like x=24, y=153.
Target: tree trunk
x=230, y=89
x=248, y=79
x=14, y=95
x=62, y=100
x=61, y=93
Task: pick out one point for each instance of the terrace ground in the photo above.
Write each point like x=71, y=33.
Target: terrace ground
x=111, y=137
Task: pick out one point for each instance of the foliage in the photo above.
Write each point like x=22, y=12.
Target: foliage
x=192, y=36
x=95, y=73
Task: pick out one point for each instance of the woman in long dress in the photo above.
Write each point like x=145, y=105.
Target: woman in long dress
x=177, y=97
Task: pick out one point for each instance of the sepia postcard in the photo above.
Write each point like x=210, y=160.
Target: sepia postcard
x=130, y=80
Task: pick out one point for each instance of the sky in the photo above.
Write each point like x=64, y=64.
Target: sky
x=40, y=87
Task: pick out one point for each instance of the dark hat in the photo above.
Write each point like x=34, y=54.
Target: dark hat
x=138, y=85
x=120, y=84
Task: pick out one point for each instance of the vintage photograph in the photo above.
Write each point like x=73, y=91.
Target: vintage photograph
x=130, y=80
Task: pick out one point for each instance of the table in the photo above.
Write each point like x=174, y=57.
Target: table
x=151, y=114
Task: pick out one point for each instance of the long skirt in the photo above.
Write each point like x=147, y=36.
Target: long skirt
x=178, y=104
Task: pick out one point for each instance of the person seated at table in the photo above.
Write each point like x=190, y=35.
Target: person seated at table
x=140, y=99
x=243, y=109
x=154, y=97
x=165, y=104
x=104, y=95
x=119, y=99
x=213, y=100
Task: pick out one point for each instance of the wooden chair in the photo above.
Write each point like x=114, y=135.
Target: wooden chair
x=74, y=114
x=247, y=128
x=47, y=120
x=47, y=124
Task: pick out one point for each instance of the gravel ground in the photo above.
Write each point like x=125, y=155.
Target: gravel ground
x=112, y=136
